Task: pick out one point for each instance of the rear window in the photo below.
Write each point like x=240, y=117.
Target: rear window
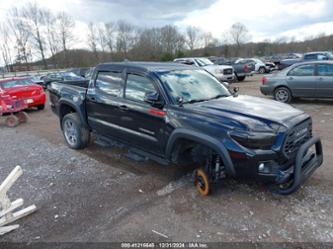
x=110, y=83
x=14, y=83
x=325, y=70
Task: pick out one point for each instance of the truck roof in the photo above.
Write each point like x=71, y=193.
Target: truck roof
x=145, y=66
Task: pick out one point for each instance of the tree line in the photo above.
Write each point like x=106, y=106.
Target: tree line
x=33, y=35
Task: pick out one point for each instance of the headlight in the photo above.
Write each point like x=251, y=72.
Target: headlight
x=217, y=71
x=254, y=140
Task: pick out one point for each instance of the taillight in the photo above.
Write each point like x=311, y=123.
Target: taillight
x=246, y=68
x=264, y=80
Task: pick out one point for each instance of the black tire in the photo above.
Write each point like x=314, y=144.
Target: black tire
x=76, y=135
x=283, y=94
x=240, y=78
x=41, y=107
x=262, y=70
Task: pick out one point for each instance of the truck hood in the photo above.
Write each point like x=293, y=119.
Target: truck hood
x=245, y=107
x=214, y=67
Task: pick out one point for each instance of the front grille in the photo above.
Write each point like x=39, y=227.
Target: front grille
x=297, y=137
x=227, y=71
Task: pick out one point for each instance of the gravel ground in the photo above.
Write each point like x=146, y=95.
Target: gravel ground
x=100, y=195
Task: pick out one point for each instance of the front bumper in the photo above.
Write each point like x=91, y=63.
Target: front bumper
x=228, y=78
x=306, y=163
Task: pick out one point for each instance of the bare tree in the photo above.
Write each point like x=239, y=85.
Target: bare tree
x=102, y=37
x=172, y=40
x=65, y=25
x=126, y=36
x=21, y=34
x=110, y=29
x=34, y=18
x=92, y=38
x=192, y=37
x=5, y=46
x=239, y=34
x=52, y=35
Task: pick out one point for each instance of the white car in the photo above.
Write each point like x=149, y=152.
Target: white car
x=260, y=66
x=221, y=72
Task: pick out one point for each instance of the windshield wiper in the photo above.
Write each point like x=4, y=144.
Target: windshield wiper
x=195, y=101
x=220, y=96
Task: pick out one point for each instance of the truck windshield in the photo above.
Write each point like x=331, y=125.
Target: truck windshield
x=204, y=62
x=192, y=85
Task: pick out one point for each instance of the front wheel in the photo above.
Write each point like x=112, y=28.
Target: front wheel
x=76, y=135
x=282, y=94
x=201, y=181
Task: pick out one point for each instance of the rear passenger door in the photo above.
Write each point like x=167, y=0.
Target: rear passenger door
x=143, y=123
x=325, y=80
x=103, y=103
x=302, y=80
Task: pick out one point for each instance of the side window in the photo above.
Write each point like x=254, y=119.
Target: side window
x=137, y=86
x=325, y=70
x=310, y=57
x=109, y=82
x=304, y=70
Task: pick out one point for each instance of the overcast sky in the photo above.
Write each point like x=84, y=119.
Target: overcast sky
x=265, y=19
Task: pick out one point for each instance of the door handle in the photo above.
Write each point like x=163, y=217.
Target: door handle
x=123, y=107
x=320, y=78
x=93, y=99
x=291, y=78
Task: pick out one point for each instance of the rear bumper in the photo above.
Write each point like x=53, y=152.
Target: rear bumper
x=266, y=90
x=36, y=100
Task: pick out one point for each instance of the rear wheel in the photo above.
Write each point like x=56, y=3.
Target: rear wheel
x=201, y=181
x=262, y=70
x=76, y=135
x=282, y=94
x=23, y=117
x=240, y=78
x=12, y=121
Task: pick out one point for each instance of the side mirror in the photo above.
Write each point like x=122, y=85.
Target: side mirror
x=153, y=98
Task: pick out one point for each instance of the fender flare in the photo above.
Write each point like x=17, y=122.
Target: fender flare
x=212, y=142
x=63, y=102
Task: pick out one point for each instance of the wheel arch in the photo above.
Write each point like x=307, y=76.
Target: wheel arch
x=66, y=107
x=200, y=138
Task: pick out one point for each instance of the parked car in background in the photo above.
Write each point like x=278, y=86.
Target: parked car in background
x=24, y=88
x=79, y=71
x=279, y=57
x=311, y=56
x=64, y=77
x=307, y=79
x=259, y=65
x=221, y=72
x=241, y=69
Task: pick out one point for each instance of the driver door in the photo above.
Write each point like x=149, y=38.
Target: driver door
x=144, y=124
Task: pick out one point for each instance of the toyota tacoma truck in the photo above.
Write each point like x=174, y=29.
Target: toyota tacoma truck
x=180, y=114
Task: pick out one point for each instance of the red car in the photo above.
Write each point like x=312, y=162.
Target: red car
x=24, y=88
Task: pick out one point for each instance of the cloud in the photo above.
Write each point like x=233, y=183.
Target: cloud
x=265, y=19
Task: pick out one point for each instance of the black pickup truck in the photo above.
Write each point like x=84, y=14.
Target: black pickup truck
x=174, y=113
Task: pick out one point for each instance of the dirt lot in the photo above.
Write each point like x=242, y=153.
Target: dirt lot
x=99, y=194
